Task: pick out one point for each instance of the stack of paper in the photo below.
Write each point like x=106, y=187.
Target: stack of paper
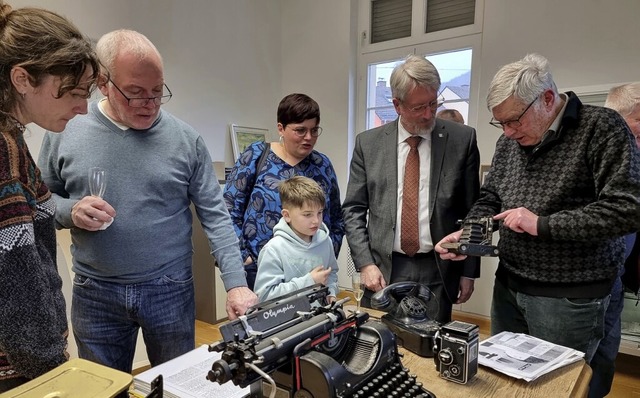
x=524, y=357
x=185, y=377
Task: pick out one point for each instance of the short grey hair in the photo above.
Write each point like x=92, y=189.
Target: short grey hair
x=412, y=72
x=112, y=43
x=624, y=98
x=525, y=79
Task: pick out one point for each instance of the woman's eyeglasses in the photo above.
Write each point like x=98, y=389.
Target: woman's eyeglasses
x=302, y=131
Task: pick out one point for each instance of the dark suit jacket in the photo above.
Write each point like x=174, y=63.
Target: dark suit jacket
x=371, y=200
x=631, y=277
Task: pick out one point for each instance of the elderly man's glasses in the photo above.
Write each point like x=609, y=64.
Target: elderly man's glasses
x=142, y=102
x=302, y=131
x=433, y=106
x=515, y=123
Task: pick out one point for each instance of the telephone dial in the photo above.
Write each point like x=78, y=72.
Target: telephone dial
x=411, y=309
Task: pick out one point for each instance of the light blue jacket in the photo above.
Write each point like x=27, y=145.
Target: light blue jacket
x=285, y=262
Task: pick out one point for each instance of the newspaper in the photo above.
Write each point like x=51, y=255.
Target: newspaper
x=185, y=377
x=524, y=357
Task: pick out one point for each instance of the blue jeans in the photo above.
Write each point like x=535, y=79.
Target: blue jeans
x=574, y=323
x=106, y=318
x=604, y=360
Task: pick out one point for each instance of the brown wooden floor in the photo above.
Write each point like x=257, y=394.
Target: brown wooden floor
x=626, y=383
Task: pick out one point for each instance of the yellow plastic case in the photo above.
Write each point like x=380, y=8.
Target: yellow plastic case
x=77, y=378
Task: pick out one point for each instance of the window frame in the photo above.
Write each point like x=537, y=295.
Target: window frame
x=418, y=27
x=364, y=81
x=419, y=42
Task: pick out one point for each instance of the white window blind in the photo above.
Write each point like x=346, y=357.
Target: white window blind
x=390, y=19
x=447, y=14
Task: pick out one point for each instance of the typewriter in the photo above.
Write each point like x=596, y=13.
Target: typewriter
x=296, y=347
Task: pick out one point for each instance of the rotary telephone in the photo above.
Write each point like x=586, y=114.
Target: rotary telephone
x=412, y=308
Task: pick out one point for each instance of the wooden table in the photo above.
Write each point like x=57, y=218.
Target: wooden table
x=569, y=381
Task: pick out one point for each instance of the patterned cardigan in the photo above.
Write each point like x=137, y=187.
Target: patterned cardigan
x=33, y=323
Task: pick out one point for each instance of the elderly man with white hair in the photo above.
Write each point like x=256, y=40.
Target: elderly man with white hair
x=565, y=186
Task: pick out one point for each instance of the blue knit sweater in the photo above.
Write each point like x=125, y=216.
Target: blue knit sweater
x=153, y=176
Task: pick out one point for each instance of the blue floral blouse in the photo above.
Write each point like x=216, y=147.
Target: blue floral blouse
x=255, y=207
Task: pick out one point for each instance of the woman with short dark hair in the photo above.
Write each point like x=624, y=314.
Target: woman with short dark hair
x=251, y=191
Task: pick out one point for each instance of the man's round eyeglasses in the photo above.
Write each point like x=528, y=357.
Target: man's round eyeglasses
x=515, y=123
x=142, y=102
x=302, y=131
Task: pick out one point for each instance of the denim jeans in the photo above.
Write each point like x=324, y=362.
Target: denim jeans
x=603, y=363
x=574, y=323
x=106, y=318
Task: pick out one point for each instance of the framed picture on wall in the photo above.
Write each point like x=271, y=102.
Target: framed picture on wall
x=242, y=137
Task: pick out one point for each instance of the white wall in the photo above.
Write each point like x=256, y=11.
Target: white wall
x=222, y=58
x=222, y=62
x=318, y=51
x=587, y=42
x=232, y=61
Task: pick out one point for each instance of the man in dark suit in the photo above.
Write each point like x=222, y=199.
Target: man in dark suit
x=383, y=251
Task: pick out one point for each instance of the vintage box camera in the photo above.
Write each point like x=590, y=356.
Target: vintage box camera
x=456, y=351
x=476, y=238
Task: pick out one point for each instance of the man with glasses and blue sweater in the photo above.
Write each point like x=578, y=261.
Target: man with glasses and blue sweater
x=132, y=248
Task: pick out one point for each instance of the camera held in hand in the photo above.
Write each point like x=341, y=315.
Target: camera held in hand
x=456, y=351
x=476, y=238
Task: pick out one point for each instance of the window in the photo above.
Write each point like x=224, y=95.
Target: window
x=447, y=32
x=455, y=74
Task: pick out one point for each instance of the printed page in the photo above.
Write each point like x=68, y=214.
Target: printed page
x=185, y=377
x=525, y=357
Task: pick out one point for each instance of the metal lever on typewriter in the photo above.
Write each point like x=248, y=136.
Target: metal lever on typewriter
x=283, y=328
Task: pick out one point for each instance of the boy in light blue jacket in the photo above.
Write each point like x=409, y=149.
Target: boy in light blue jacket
x=300, y=254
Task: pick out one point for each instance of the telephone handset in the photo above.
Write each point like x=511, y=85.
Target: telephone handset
x=407, y=300
x=412, y=308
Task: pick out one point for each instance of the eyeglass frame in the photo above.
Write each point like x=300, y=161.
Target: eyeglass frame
x=161, y=97
x=304, y=130
x=512, y=123
x=433, y=106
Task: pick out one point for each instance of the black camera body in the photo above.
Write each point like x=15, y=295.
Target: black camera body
x=476, y=238
x=456, y=351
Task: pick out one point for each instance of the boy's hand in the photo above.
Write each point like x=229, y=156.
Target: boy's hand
x=320, y=275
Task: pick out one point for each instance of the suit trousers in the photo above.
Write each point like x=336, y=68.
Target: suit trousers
x=421, y=268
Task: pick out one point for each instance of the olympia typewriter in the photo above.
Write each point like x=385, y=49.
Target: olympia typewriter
x=297, y=347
